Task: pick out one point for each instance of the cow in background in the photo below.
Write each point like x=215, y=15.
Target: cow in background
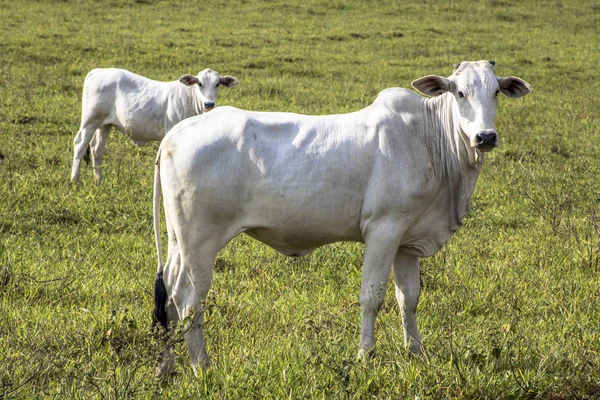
x=142, y=108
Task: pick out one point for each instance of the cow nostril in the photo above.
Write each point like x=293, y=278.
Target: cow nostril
x=486, y=139
x=492, y=138
x=209, y=104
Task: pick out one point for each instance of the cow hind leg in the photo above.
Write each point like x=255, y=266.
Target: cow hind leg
x=165, y=316
x=160, y=318
x=80, y=146
x=97, y=146
x=165, y=313
x=408, y=288
x=189, y=294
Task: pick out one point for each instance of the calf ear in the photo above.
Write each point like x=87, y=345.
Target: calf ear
x=228, y=81
x=432, y=85
x=189, y=80
x=514, y=87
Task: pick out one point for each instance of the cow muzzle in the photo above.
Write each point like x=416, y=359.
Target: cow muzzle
x=209, y=105
x=486, y=141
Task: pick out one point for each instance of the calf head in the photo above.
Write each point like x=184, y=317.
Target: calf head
x=475, y=88
x=207, y=85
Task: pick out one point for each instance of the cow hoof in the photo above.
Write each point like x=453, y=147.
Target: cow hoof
x=366, y=354
x=199, y=368
x=414, y=346
x=163, y=371
x=421, y=355
x=166, y=364
x=418, y=352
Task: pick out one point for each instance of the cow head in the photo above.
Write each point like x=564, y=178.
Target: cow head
x=475, y=88
x=207, y=85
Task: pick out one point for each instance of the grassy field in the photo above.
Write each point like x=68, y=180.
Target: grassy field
x=510, y=307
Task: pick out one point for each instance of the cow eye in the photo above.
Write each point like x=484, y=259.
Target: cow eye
x=497, y=93
x=461, y=95
x=218, y=84
x=199, y=84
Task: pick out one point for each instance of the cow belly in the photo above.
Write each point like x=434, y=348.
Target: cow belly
x=283, y=246
x=143, y=120
x=140, y=133
x=294, y=240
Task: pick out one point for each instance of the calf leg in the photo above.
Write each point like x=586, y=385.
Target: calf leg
x=80, y=144
x=97, y=146
x=408, y=288
x=379, y=255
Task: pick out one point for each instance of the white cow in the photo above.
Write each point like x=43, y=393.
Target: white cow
x=397, y=175
x=142, y=108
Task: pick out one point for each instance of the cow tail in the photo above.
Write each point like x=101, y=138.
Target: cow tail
x=160, y=290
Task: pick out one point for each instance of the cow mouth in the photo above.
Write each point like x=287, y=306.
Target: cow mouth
x=486, y=147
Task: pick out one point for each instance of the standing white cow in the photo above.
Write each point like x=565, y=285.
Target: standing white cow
x=142, y=108
x=397, y=176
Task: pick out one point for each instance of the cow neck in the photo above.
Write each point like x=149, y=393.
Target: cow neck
x=197, y=102
x=450, y=156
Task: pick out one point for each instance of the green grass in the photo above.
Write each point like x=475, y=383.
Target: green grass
x=510, y=307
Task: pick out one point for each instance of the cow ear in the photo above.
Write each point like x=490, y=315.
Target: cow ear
x=189, y=80
x=432, y=85
x=514, y=87
x=228, y=81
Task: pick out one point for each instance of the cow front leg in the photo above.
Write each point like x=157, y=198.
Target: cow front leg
x=379, y=256
x=408, y=289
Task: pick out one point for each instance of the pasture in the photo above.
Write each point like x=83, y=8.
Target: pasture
x=510, y=307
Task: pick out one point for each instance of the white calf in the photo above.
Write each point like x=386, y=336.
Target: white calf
x=142, y=108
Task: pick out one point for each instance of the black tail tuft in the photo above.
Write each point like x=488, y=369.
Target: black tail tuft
x=160, y=301
x=86, y=156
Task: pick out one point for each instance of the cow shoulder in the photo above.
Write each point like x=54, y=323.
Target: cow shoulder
x=406, y=164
